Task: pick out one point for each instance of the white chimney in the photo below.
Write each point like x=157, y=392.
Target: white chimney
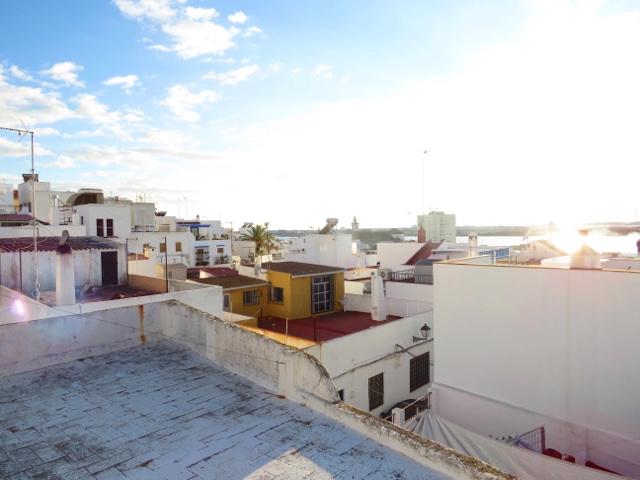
x=378, y=301
x=585, y=258
x=65, y=275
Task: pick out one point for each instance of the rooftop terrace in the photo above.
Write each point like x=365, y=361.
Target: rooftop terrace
x=324, y=327
x=161, y=411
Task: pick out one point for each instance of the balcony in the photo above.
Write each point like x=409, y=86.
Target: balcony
x=410, y=276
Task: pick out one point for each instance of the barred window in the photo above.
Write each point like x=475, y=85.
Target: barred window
x=419, y=371
x=376, y=391
x=251, y=297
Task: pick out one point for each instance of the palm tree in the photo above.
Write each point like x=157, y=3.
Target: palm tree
x=260, y=236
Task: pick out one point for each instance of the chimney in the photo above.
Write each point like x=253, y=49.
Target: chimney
x=65, y=275
x=378, y=301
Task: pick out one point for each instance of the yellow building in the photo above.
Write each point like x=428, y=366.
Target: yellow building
x=242, y=295
x=300, y=290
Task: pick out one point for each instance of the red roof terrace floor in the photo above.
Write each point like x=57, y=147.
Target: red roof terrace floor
x=321, y=328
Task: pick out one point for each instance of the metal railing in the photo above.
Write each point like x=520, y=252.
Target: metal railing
x=531, y=440
x=424, y=279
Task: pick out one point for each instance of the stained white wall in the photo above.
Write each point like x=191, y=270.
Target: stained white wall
x=333, y=250
x=394, y=255
x=559, y=343
x=352, y=359
x=87, y=269
x=120, y=214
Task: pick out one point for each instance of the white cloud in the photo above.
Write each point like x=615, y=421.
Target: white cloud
x=127, y=82
x=181, y=102
x=251, y=31
x=238, y=17
x=296, y=70
x=233, y=77
x=46, y=132
x=90, y=108
x=201, y=13
x=345, y=79
x=62, y=161
x=32, y=105
x=66, y=72
x=322, y=68
x=158, y=10
x=276, y=67
x=166, y=137
x=191, y=30
x=195, y=38
x=16, y=72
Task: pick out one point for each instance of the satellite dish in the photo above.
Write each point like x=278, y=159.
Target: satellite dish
x=63, y=238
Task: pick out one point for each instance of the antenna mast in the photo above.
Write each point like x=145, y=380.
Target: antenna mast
x=23, y=133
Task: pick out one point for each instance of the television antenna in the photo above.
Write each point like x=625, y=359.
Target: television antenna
x=23, y=133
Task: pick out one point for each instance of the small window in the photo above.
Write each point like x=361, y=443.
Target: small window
x=220, y=249
x=341, y=393
x=376, y=391
x=110, y=227
x=81, y=220
x=226, y=303
x=178, y=246
x=100, y=227
x=276, y=295
x=251, y=297
x=163, y=247
x=419, y=371
x=145, y=246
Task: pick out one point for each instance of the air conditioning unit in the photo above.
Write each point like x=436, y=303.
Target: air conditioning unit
x=385, y=273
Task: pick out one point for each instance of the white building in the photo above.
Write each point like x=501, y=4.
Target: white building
x=193, y=244
x=95, y=262
x=531, y=346
x=439, y=226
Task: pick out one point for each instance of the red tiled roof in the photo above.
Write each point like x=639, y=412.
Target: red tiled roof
x=220, y=272
x=423, y=253
x=232, y=282
x=299, y=268
x=15, y=217
x=50, y=244
x=209, y=272
x=324, y=327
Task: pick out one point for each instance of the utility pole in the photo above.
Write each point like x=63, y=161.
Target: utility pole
x=23, y=133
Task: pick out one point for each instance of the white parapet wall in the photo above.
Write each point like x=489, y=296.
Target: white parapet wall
x=19, y=308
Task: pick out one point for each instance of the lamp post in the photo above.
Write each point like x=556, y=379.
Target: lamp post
x=425, y=331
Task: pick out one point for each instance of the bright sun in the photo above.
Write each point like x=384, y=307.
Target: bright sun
x=568, y=240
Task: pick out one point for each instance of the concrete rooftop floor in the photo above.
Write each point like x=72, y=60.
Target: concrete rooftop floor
x=161, y=411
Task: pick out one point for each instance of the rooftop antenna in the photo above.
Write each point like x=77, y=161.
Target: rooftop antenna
x=23, y=133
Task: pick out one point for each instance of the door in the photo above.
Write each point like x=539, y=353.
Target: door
x=109, y=268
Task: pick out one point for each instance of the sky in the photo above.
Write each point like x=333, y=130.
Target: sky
x=291, y=112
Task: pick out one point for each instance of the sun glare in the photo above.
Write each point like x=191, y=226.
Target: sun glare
x=568, y=240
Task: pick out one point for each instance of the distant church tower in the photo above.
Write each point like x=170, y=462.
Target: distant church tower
x=355, y=234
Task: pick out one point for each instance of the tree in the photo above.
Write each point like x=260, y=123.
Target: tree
x=260, y=236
